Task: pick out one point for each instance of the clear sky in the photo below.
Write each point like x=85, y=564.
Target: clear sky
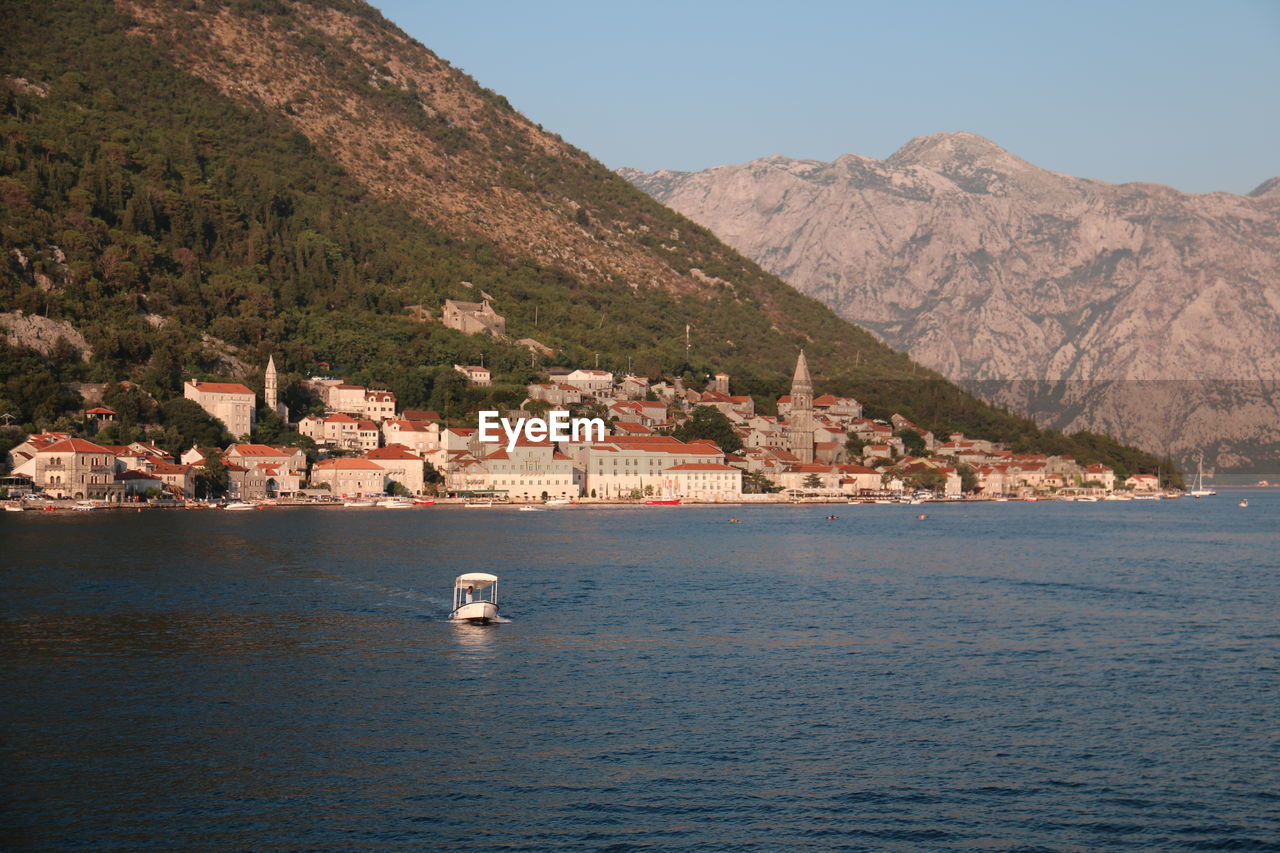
x=1179, y=93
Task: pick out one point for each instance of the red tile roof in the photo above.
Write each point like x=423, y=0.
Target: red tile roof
x=392, y=451
x=221, y=387
x=258, y=450
x=135, y=475
x=347, y=465
x=75, y=445
x=407, y=425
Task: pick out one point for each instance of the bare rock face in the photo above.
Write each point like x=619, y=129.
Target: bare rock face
x=1134, y=309
x=42, y=334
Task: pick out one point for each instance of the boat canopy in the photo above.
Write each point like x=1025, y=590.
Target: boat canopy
x=479, y=580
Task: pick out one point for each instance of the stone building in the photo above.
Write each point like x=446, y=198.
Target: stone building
x=76, y=468
x=473, y=318
x=230, y=402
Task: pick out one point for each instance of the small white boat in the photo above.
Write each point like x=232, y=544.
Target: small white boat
x=358, y=503
x=1088, y=499
x=475, y=504
x=85, y=506
x=475, y=598
x=531, y=509
x=239, y=506
x=1244, y=502
x=558, y=502
x=14, y=508
x=396, y=503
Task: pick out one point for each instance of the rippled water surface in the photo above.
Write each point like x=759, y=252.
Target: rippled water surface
x=998, y=676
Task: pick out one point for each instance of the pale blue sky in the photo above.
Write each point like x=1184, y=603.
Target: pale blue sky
x=1180, y=93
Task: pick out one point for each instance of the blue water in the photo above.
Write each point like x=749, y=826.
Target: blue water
x=1000, y=677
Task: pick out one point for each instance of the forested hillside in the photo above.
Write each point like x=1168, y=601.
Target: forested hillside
x=196, y=186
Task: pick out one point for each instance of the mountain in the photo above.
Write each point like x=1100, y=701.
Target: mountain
x=1131, y=309
x=194, y=186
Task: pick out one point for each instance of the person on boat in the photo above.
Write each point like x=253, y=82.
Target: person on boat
x=470, y=590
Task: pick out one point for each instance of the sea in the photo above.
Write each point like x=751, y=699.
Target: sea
x=994, y=676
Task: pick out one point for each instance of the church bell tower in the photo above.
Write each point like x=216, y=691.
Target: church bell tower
x=800, y=419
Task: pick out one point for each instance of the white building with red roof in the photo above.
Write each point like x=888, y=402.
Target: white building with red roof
x=625, y=466
x=736, y=408
x=592, y=383
x=1143, y=482
x=345, y=397
x=1099, y=473
x=74, y=468
x=341, y=430
x=476, y=374
x=856, y=479
x=350, y=476
x=877, y=451
x=420, y=437
x=178, y=479
x=230, y=402
x=401, y=464
x=528, y=471
x=25, y=452
x=843, y=408
x=811, y=477
x=379, y=405
x=558, y=394
x=704, y=481
x=287, y=458
x=634, y=387
x=136, y=484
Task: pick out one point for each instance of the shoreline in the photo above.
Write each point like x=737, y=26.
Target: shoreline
x=588, y=503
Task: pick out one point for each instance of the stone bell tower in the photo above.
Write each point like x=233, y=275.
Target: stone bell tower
x=800, y=419
x=271, y=392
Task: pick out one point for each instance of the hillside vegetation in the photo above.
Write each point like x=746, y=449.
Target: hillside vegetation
x=194, y=186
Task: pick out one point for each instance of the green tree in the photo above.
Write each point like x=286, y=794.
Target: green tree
x=187, y=425
x=912, y=442
x=813, y=481
x=449, y=393
x=538, y=408
x=930, y=479
x=710, y=424
x=211, y=478
x=756, y=483
x=268, y=426
x=297, y=439
x=132, y=405
x=968, y=477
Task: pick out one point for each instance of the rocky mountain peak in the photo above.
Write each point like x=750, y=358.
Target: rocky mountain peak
x=990, y=269
x=948, y=151
x=1269, y=188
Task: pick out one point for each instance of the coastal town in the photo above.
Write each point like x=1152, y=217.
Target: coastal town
x=364, y=446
